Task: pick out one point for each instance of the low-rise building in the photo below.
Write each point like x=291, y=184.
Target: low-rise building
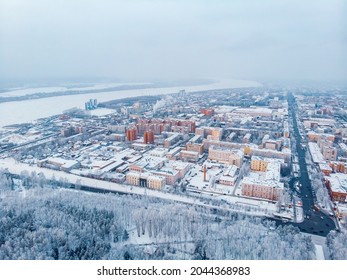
x=171, y=140
x=171, y=176
x=147, y=162
x=234, y=157
x=211, y=133
x=229, y=176
x=337, y=186
x=173, y=153
x=284, y=154
x=264, y=189
x=190, y=156
x=58, y=163
x=247, y=138
x=258, y=164
x=180, y=166
x=196, y=147
x=145, y=180
x=329, y=153
x=265, y=181
x=338, y=167
x=158, y=152
x=325, y=168
x=271, y=144
x=254, y=111
x=313, y=136
x=317, y=156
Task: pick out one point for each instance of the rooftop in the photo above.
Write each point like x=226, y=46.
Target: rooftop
x=317, y=156
x=266, y=183
x=338, y=182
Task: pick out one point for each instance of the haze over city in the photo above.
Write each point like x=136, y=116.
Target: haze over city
x=167, y=130
x=172, y=40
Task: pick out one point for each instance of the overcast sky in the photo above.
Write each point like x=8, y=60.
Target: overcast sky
x=170, y=40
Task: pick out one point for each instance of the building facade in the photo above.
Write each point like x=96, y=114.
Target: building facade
x=131, y=134
x=234, y=157
x=148, y=137
x=145, y=180
x=270, y=190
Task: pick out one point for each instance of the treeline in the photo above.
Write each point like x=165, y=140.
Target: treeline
x=39, y=222
x=55, y=231
x=337, y=244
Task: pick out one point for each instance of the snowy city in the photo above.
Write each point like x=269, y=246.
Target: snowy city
x=275, y=155
x=153, y=135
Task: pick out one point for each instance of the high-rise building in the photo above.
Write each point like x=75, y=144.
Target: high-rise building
x=131, y=134
x=91, y=104
x=148, y=137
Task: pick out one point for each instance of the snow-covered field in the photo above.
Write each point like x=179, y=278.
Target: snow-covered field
x=20, y=139
x=101, y=112
x=27, y=91
x=30, y=110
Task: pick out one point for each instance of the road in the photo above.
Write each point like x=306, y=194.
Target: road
x=315, y=222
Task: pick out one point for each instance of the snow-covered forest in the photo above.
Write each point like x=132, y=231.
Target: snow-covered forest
x=43, y=222
x=337, y=244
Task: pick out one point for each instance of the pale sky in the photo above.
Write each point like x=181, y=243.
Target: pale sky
x=172, y=40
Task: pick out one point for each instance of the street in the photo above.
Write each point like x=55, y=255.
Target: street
x=315, y=221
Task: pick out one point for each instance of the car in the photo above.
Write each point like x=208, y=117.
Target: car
x=315, y=207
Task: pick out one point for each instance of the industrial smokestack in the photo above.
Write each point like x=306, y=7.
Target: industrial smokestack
x=205, y=173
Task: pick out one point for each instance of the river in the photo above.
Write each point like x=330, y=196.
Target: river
x=30, y=110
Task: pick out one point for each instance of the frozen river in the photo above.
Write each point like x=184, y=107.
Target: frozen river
x=30, y=110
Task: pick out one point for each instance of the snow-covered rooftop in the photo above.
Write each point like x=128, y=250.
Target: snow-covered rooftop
x=338, y=182
x=317, y=156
